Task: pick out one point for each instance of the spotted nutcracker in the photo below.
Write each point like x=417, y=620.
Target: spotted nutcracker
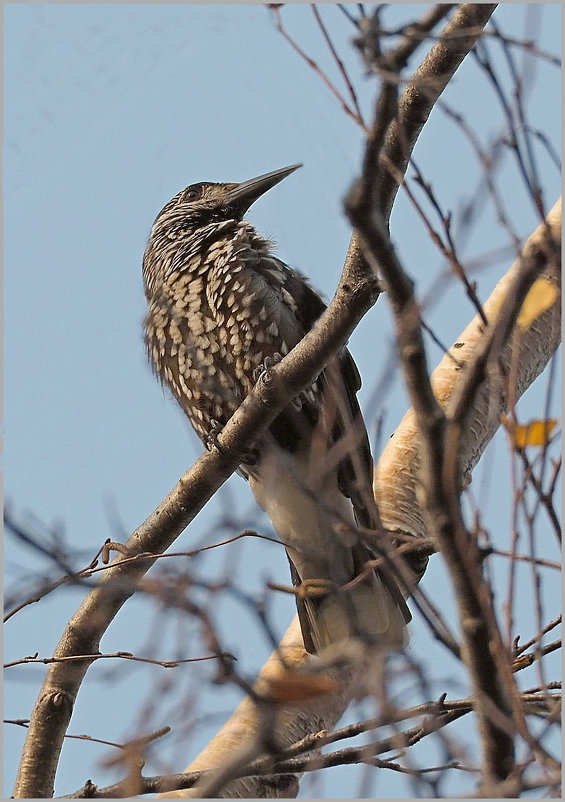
x=222, y=308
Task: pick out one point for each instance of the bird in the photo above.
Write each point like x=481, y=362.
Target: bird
x=222, y=310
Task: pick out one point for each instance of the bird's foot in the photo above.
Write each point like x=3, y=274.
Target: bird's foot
x=250, y=457
x=314, y=588
x=263, y=371
x=212, y=436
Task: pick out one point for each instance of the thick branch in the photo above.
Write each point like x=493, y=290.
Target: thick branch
x=417, y=101
x=423, y=90
x=397, y=470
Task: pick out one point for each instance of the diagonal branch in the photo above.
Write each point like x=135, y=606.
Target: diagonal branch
x=416, y=103
x=422, y=92
x=396, y=476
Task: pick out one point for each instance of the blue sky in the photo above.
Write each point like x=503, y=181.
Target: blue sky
x=109, y=111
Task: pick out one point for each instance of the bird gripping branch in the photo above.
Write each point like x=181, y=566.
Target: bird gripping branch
x=222, y=309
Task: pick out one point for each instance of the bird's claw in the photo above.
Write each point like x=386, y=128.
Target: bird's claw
x=212, y=436
x=250, y=457
x=315, y=588
x=263, y=371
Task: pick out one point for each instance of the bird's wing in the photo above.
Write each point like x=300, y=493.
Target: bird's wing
x=341, y=380
x=337, y=387
x=326, y=428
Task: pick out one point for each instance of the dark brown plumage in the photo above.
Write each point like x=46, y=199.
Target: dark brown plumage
x=221, y=306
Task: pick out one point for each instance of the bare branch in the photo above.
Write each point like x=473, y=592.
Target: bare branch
x=404, y=123
x=294, y=760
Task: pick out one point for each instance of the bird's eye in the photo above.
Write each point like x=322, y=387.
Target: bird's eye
x=192, y=193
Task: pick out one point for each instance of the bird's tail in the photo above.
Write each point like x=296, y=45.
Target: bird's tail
x=337, y=597
x=363, y=608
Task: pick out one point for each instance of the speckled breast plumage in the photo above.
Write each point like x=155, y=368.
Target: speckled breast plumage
x=222, y=307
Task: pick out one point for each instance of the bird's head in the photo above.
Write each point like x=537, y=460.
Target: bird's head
x=207, y=202
x=196, y=213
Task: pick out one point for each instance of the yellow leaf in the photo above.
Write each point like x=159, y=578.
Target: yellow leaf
x=534, y=433
x=541, y=296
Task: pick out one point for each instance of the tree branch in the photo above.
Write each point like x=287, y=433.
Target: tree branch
x=396, y=473
x=417, y=101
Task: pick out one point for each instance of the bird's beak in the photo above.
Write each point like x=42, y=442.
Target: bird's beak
x=245, y=194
